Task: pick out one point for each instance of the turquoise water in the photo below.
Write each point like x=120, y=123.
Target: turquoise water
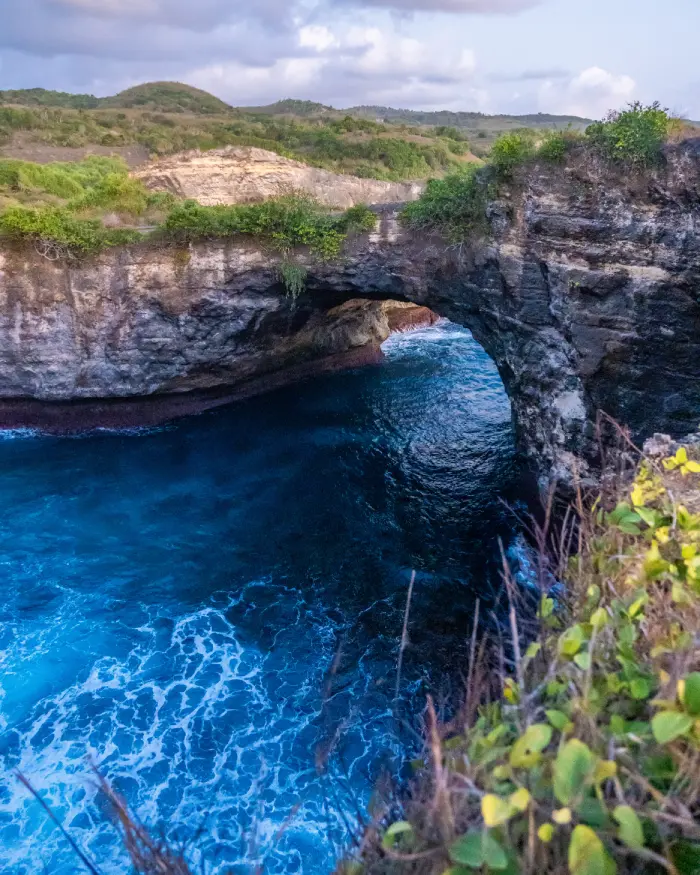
x=211, y=611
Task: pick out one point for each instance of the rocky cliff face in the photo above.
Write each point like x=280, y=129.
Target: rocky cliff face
x=586, y=295
x=238, y=175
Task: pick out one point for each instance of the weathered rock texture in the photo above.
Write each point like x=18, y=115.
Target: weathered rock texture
x=587, y=297
x=240, y=175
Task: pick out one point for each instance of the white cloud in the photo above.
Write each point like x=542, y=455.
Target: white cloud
x=591, y=93
x=483, y=7
x=343, y=65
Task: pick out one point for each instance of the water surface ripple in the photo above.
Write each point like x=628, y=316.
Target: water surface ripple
x=172, y=602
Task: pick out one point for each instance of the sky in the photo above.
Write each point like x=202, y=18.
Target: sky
x=580, y=57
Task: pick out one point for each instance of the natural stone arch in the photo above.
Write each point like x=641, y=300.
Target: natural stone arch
x=586, y=296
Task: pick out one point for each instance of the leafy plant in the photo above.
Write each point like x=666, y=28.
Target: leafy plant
x=293, y=277
x=634, y=136
x=589, y=763
x=454, y=206
x=510, y=151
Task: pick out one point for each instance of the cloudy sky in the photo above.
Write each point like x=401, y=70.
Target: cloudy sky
x=563, y=56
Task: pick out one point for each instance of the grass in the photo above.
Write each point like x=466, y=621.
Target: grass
x=586, y=758
x=60, y=208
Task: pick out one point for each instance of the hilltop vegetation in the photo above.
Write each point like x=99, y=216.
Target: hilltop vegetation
x=162, y=118
x=455, y=206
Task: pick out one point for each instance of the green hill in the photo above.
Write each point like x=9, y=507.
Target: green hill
x=473, y=120
x=167, y=97
x=42, y=97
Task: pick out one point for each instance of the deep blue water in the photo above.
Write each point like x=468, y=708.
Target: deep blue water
x=172, y=603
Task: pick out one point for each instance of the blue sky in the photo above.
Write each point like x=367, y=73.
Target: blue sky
x=558, y=56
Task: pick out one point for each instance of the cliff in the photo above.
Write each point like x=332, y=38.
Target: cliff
x=586, y=294
x=239, y=175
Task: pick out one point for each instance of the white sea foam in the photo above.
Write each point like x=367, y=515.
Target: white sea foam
x=192, y=722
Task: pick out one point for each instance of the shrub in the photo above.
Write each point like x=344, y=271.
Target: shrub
x=553, y=148
x=59, y=232
x=117, y=192
x=634, y=136
x=510, y=151
x=589, y=761
x=285, y=222
x=359, y=218
x=454, y=206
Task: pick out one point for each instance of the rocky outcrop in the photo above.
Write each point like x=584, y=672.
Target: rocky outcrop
x=586, y=295
x=241, y=175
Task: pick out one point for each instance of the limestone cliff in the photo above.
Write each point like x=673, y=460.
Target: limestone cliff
x=241, y=175
x=586, y=294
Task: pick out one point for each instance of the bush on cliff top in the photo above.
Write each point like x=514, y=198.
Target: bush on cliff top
x=454, y=206
x=589, y=762
x=55, y=232
x=635, y=136
x=284, y=222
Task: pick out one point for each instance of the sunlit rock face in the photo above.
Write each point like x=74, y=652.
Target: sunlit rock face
x=586, y=294
x=242, y=175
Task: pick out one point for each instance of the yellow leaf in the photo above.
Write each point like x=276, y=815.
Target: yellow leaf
x=546, y=833
x=605, y=770
x=562, y=816
x=496, y=811
x=682, y=456
x=520, y=799
x=638, y=496
x=681, y=692
x=692, y=467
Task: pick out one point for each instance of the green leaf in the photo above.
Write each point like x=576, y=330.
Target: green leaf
x=630, y=832
x=558, y=719
x=571, y=641
x=401, y=827
x=640, y=688
x=599, y=618
x=526, y=750
x=667, y=726
x=494, y=855
x=546, y=608
x=587, y=854
x=592, y=812
x=478, y=849
x=467, y=851
x=686, y=858
x=692, y=694
x=573, y=768
x=583, y=661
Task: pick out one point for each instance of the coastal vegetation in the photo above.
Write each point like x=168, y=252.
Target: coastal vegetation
x=162, y=118
x=61, y=206
x=455, y=205
x=585, y=759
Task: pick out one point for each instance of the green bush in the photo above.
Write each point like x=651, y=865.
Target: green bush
x=635, y=136
x=553, y=148
x=58, y=229
x=284, y=223
x=454, y=206
x=510, y=151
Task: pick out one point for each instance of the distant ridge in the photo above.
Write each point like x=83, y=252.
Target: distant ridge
x=178, y=97
x=464, y=119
